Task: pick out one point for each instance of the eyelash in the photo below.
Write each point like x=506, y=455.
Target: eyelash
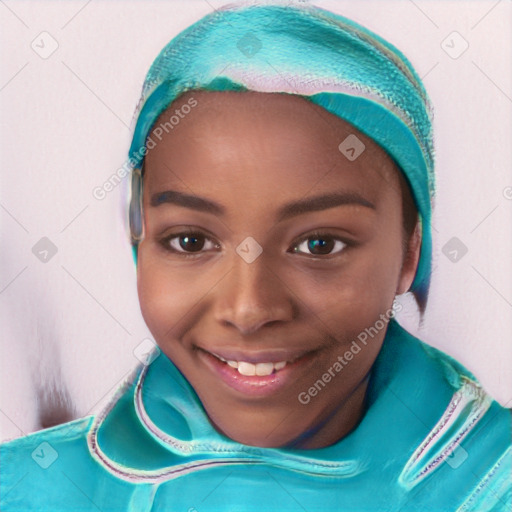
x=314, y=236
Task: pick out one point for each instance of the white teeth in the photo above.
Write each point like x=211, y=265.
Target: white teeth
x=260, y=369
x=264, y=368
x=246, y=368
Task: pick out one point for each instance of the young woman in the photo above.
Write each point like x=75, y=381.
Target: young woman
x=282, y=177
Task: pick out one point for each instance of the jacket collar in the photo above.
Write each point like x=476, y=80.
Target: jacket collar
x=155, y=427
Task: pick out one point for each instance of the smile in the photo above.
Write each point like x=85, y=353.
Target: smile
x=260, y=369
x=258, y=374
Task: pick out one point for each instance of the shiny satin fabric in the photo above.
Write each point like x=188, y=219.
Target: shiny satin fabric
x=303, y=50
x=430, y=439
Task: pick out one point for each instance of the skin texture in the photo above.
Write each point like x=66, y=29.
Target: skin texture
x=252, y=153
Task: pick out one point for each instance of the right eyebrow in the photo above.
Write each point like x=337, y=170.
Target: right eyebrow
x=187, y=201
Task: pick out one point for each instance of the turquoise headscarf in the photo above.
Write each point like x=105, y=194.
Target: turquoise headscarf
x=437, y=442
x=303, y=50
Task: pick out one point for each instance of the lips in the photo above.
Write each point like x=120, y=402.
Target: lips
x=247, y=368
x=255, y=357
x=260, y=363
x=256, y=373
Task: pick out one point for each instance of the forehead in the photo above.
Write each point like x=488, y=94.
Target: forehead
x=262, y=140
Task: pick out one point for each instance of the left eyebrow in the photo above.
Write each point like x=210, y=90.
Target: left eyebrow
x=309, y=204
x=324, y=202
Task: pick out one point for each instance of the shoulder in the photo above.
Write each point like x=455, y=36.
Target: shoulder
x=43, y=446
x=53, y=470
x=468, y=441
x=36, y=464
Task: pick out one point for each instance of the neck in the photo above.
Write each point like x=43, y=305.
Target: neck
x=328, y=431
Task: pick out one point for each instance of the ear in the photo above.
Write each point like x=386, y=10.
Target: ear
x=411, y=259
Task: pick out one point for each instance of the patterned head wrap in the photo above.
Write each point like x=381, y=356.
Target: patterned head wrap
x=303, y=50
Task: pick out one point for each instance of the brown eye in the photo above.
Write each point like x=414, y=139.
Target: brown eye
x=320, y=244
x=192, y=243
x=187, y=243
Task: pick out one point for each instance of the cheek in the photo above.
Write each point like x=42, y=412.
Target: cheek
x=352, y=297
x=167, y=297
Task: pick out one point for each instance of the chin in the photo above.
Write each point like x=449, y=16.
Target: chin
x=245, y=432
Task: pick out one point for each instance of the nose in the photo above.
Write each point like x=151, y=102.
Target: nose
x=251, y=295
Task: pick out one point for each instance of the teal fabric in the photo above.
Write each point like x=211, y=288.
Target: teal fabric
x=326, y=58
x=430, y=440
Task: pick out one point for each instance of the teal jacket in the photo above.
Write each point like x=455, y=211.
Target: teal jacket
x=430, y=439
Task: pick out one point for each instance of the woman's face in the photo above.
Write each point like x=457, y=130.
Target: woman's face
x=265, y=243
